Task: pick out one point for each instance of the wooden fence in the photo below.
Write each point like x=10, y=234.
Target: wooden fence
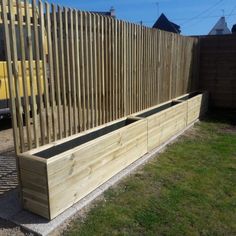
x=218, y=69
x=78, y=70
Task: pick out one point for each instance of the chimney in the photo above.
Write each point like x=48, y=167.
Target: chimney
x=113, y=12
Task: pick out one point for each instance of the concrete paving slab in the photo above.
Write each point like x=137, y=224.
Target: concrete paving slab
x=11, y=210
x=8, y=174
x=10, y=205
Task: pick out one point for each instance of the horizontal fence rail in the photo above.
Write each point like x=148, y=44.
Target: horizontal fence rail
x=70, y=71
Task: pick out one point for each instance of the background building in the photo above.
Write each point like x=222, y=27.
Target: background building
x=163, y=23
x=220, y=27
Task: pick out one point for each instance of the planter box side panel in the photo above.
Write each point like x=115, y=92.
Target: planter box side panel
x=164, y=125
x=204, y=104
x=34, y=186
x=197, y=107
x=194, y=107
x=74, y=176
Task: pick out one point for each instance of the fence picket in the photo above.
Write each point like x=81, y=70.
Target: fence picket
x=24, y=74
x=56, y=70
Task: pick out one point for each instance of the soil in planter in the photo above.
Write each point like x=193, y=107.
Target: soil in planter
x=53, y=151
x=158, y=109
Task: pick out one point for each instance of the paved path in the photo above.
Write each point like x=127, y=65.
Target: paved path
x=8, y=174
x=9, y=203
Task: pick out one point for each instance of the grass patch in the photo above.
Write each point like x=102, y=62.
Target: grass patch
x=190, y=189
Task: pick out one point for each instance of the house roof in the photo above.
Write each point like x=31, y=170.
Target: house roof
x=220, y=27
x=163, y=23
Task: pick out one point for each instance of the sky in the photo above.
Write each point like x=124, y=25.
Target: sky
x=196, y=17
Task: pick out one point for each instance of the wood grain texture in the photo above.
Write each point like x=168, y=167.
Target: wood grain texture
x=79, y=170
x=34, y=187
x=218, y=69
x=86, y=164
x=197, y=107
x=165, y=124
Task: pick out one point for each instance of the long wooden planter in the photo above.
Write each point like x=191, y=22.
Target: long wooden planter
x=197, y=105
x=168, y=119
x=56, y=176
x=164, y=122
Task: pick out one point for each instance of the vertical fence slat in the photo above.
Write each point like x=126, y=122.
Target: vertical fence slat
x=124, y=65
x=99, y=69
x=77, y=71
x=106, y=48
x=39, y=97
x=67, y=66
x=62, y=72
x=90, y=74
x=51, y=71
x=156, y=66
x=88, y=95
x=72, y=71
x=153, y=70
x=10, y=76
x=103, y=70
x=141, y=68
x=31, y=74
x=95, y=72
x=119, y=70
x=56, y=70
x=43, y=48
x=115, y=95
x=97, y=75
x=110, y=67
x=139, y=51
x=13, y=43
x=82, y=68
x=135, y=68
x=24, y=75
x=130, y=68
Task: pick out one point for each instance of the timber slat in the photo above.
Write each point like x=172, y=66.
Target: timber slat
x=24, y=75
x=51, y=72
x=38, y=76
x=44, y=72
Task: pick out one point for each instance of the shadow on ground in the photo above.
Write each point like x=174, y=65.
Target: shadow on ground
x=221, y=116
x=5, y=123
x=8, y=228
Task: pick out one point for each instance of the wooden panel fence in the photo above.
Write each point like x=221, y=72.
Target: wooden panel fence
x=218, y=69
x=86, y=69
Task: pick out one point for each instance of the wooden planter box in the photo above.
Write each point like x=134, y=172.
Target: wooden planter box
x=164, y=122
x=197, y=105
x=56, y=176
x=169, y=118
